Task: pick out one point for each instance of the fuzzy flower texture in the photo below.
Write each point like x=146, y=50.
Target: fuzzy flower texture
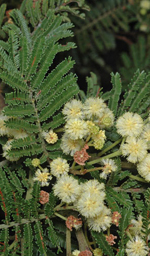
x=85, y=120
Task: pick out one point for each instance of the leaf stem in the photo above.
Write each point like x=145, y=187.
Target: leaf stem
x=109, y=147
x=114, y=154
x=133, y=177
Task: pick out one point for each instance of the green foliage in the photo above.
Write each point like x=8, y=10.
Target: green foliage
x=31, y=108
x=102, y=243
x=38, y=79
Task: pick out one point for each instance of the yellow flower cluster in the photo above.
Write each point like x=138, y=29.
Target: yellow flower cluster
x=85, y=121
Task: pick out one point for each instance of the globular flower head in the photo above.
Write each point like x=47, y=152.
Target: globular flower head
x=93, y=187
x=146, y=134
x=93, y=129
x=73, y=222
x=44, y=197
x=75, y=253
x=135, y=149
x=90, y=205
x=99, y=139
x=50, y=137
x=102, y=221
x=93, y=107
x=43, y=177
x=110, y=239
x=35, y=162
x=144, y=168
x=76, y=128
x=107, y=120
x=98, y=252
x=70, y=146
x=129, y=124
x=109, y=166
x=137, y=226
x=59, y=166
x=73, y=109
x=67, y=189
x=81, y=156
x=136, y=247
x=115, y=218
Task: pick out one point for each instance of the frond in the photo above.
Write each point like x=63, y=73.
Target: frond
x=126, y=216
x=115, y=93
x=137, y=58
x=102, y=243
x=49, y=110
x=20, y=21
x=132, y=91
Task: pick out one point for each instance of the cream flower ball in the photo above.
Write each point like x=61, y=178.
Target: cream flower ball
x=59, y=166
x=73, y=109
x=90, y=205
x=102, y=221
x=135, y=149
x=93, y=107
x=67, y=189
x=130, y=124
x=144, y=168
x=70, y=146
x=76, y=128
x=136, y=247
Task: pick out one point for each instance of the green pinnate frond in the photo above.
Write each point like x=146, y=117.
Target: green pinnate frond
x=23, y=54
x=19, y=111
x=13, y=98
x=52, y=234
x=44, y=65
x=4, y=45
x=14, y=81
x=131, y=94
x=35, y=57
x=56, y=146
x=112, y=202
x=49, y=208
x=27, y=151
x=7, y=61
x=56, y=122
x=2, y=13
x=144, y=93
x=66, y=82
x=27, y=239
x=31, y=12
x=126, y=216
x=46, y=22
x=102, y=243
x=56, y=75
x=23, y=143
x=39, y=238
x=137, y=200
x=4, y=241
x=137, y=58
x=21, y=124
x=115, y=93
x=92, y=86
x=15, y=181
x=121, y=197
x=13, y=48
x=20, y=21
x=65, y=96
x=55, y=154
x=44, y=6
